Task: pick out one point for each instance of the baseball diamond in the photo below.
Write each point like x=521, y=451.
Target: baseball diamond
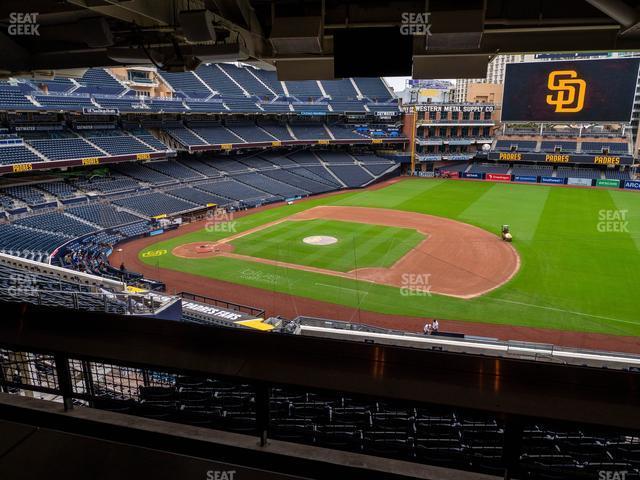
x=548, y=281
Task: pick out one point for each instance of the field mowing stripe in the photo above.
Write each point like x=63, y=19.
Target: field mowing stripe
x=342, y=288
x=563, y=311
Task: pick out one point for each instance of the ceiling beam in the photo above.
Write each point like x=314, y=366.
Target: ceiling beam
x=143, y=13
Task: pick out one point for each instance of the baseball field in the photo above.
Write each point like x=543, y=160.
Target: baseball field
x=431, y=248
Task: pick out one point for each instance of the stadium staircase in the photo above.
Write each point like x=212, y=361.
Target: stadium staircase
x=329, y=132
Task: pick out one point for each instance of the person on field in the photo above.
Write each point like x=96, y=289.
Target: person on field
x=435, y=326
x=427, y=329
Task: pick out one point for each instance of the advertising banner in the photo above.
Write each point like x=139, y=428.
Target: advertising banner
x=608, y=182
x=500, y=177
x=525, y=178
x=471, y=175
x=449, y=174
x=632, y=184
x=561, y=158
x=585, y=182
x=556, y=181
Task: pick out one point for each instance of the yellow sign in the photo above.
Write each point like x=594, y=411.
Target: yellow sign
x=276, y=144
x=255, y=323
x=154, y=253
x=162, y=215
x=606, y=160
x=556, y=158
x=143, y=156
x=211, y=204
x=569, y=91
x=323, y=142
x=22, y=167
x=132, y=289
x=90, y=161
x=376, y=140
x=226, y=146
x=510, y=156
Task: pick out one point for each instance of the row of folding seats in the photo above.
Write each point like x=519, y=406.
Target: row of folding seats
x=156, y=203
x=351, y=175
x=197, y=196
x=56, y=222
x=66, y=148
x=271, y=185
x=120, y=145
x=184, y=136
x=174, y=169
x=143, y=174
x=28, y=194
x=11, y=154
x=109, y=185
x=298, y=181
x=103, y=215
x=15, y=240
x=62, y=190
x=234, y=190
x=216, y=135
x=11, y=96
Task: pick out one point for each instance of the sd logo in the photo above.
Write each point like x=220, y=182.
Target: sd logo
x=570, y=91
x=154, y=253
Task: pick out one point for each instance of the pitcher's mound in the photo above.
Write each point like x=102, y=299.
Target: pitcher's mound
x=320, y=240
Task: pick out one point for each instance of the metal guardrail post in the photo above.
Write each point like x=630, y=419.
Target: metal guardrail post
x=145, y=377
x=64, y=380
x=3, y=380
x=262, y=412
x=512, y=447
x=88, y=379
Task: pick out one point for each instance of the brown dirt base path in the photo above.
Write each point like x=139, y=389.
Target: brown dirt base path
x=454, y=259
x=290, y=306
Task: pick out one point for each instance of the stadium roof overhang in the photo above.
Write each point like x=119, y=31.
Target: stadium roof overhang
x=313, y=39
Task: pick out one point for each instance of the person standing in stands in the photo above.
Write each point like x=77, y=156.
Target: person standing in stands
x=435, y=325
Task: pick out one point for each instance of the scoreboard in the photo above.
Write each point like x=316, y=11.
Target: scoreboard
x=599, y=91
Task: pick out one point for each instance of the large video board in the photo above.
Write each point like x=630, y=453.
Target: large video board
x=570, y=91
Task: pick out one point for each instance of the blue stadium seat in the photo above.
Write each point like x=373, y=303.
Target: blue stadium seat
x=218, y=80
x=66, y=148
x=156, y=203
x=373, y=88
x=104, y=215
x=10, y=154
x=187, y=83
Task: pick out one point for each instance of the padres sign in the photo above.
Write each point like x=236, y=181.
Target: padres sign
x=569, y=91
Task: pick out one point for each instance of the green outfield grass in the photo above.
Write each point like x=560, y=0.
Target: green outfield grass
x=576, y=273
x=359, y=245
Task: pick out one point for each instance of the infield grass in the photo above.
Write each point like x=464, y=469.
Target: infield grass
x=358, y=245
x=577, y=273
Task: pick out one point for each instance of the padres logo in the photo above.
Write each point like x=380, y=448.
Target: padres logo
x=154, y=253
x=569, y=91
